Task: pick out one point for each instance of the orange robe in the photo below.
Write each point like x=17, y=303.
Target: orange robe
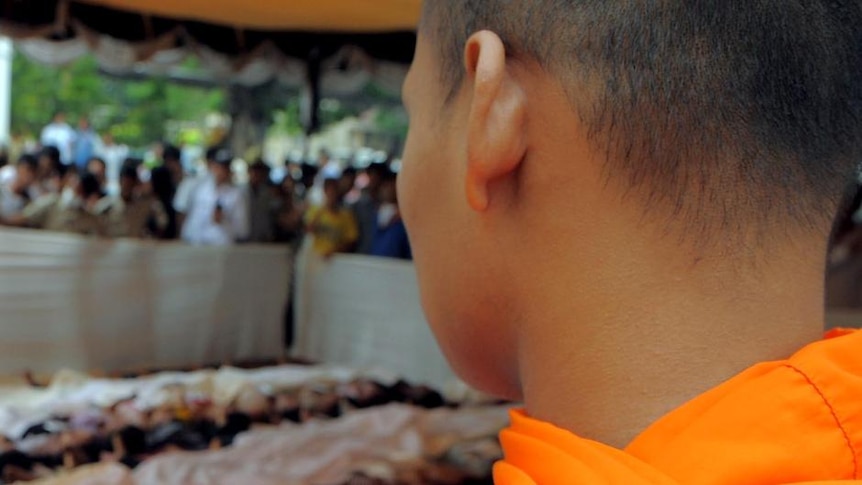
x=797, y=421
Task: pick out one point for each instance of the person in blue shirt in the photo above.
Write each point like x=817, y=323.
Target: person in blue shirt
x=85, y=144
x=390, y=235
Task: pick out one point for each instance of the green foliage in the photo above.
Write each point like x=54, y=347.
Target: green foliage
x=135, y=112
x=287, y=120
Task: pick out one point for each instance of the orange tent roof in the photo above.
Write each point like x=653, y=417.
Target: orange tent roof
x=304, y=15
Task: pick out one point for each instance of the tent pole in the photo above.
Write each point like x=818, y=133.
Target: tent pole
x=6, y=54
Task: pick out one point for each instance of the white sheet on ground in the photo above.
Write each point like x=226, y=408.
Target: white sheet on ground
x=381, y=442
x=70, y=392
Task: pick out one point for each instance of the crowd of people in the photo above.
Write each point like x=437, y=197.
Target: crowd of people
x=67, y=185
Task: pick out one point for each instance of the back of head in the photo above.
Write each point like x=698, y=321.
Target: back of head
x=163, y=184
x=98, y=163
x=171, y=154
x=29, y=161
x=330, y=184
x=90, y=185
x=259, y=166
x=377, y=169
x=52, y=153
x=218, y=154
x=349, y=172
x=309, y=173
x=130, y=173
x=729, y=114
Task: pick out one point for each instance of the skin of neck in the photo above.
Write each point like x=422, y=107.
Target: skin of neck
x=628, y=322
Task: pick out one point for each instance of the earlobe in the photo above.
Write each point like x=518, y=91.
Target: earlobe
x=496, y=135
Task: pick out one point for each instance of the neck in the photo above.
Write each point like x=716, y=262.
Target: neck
x=607, y=351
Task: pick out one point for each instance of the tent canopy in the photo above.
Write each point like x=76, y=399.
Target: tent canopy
x=384, y=29
x=323, y=47
x=352, y=16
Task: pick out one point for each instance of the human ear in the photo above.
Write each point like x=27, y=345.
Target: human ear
x=496, y=138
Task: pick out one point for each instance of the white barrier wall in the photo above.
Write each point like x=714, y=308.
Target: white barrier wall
x=365, y=312
x=86, y=304
x=71, y=302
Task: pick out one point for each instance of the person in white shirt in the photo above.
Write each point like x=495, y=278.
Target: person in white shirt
x=19, y=192
x=217, y=214
x=60, y=135
x=114, y=155
x=185, y=190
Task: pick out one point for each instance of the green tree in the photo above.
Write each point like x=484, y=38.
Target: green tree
x=136, y=112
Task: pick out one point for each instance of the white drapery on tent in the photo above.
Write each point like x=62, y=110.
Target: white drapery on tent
x=347, y=72
x=353, y=41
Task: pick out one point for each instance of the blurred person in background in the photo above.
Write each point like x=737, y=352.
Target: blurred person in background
x=365, y=209
x=332, y=226
x=114, y=155
x=289, y=214
x=60, y=135
x=86, y=142
x=163, y=190
x=72, y=210
x=185, y=189
x=390, y=235
x=347, y=185
x=262, y=204
x=132, y=213
x=15, y=196
x=218, y=209
x=51, y=171
x=307, y=178
x=4, y=163
x=99, y=169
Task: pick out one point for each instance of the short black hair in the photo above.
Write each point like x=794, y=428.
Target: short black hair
x=129, y=172
x=90, y=185
x=51, y=152
x=219, y=154
x=380, y=169
x=389, y=176
x=349, y=172
x=170, y=152
x=260, y=166
x=98, y=160
x=215, y=152
x=309, y=171
x=29, y=160
x=731, y=112
x=133, y=162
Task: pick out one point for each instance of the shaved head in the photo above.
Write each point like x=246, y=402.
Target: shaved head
x=730, y=114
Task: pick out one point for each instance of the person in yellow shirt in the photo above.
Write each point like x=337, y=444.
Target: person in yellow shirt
x=332, y=226
x=619, y=212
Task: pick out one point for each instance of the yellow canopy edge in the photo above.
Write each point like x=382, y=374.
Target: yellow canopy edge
x=355, y=16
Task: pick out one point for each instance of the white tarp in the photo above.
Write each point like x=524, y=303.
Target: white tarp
x=391, y=443
x=72, y=393
x=385, y=443
x=361, y=311
x=86, y=304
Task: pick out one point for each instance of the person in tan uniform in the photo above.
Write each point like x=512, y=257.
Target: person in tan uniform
x=71, y=210
x=132, y=213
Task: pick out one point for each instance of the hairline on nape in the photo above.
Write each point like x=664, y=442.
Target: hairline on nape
x=687, y=126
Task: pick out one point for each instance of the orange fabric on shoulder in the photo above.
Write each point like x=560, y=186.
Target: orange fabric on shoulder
x=778, y=423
